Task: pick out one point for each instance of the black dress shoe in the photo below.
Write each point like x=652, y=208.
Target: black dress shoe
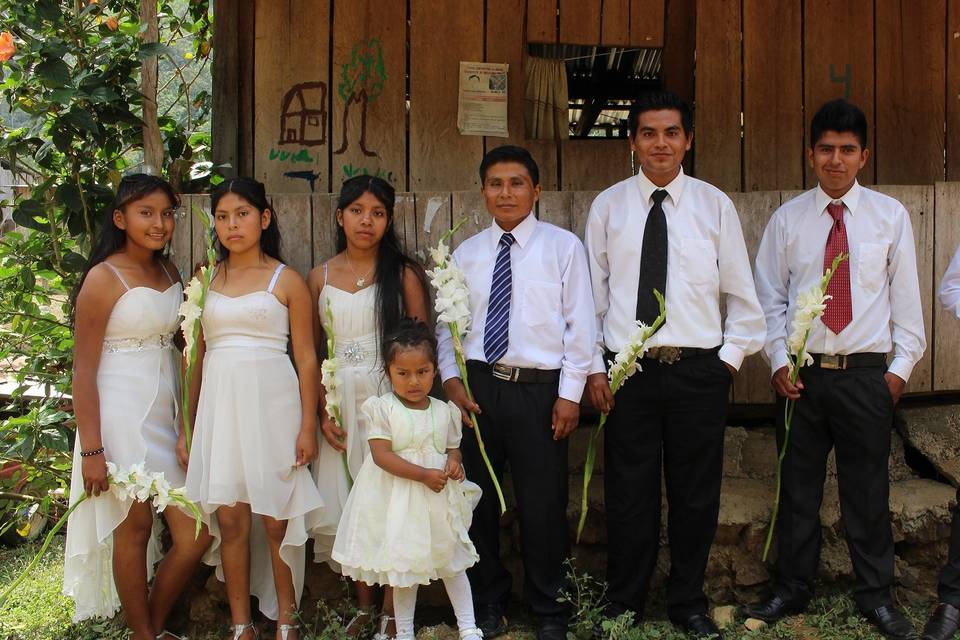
x=490, y=620
x=699, y=625
x=891, y=623
x=772, y=609
x=551, y=628
x=943, y=623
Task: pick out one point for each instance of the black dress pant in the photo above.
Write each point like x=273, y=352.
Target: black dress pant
x=670, y=416
x=949, y=588
x=515, y=424
x=850, y=411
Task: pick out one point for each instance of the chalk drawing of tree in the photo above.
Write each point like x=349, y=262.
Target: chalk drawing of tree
x=361, y=82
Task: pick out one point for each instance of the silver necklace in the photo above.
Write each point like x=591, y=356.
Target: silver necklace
x=361, y=280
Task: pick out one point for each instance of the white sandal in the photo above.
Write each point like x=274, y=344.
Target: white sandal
x=382, y=634
x=284, y=629
x=357, y=619
x=240, y=629
x=469, y=633
x=164, y=635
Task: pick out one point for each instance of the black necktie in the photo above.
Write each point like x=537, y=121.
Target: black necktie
x=653, y=261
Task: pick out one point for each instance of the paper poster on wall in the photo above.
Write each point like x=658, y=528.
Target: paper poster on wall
x=482, y=109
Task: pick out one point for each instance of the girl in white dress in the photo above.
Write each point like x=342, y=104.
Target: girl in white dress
x=406, y=520
x=370, y=285
x=255, y=427
x=125, y=391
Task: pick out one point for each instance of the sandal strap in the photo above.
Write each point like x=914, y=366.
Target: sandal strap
x=466, y=633
x=284, y=629
x=169, y=634
x=240, y=629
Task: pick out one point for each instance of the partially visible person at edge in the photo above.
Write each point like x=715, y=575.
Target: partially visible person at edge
x=125, y=393
x=528, y=354
x=663, y=230
x=945, y=619
x=845, y=398
x=370, y=285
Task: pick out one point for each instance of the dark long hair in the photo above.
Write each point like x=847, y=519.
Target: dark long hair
x=391, y=260
x=256, y=194
x=110, y=237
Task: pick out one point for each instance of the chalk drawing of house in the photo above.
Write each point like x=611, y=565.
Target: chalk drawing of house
x=303, y=115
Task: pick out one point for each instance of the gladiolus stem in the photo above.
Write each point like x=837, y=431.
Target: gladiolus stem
x=43, y=549
x=588, y=472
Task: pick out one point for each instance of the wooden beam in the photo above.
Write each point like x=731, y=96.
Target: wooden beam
x=225, y=121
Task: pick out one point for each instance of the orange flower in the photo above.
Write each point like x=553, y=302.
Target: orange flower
x=7, y=48
x=112, y=23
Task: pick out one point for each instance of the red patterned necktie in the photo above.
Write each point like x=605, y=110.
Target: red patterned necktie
x=839, y=311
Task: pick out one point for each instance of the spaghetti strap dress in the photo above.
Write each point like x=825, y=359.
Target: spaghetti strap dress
x=248, y=419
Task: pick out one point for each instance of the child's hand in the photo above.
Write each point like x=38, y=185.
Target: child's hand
x=435, y=479
x=333, y=434
x=182, y=456
x=454, y=469
x=307, y=449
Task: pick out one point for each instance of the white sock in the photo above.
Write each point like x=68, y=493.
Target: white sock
x=404, y=606
x=461, y=598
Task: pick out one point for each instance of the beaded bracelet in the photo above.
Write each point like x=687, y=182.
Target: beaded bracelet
x=90, y=454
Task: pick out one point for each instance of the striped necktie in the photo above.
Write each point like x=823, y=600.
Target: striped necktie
x=495, y=331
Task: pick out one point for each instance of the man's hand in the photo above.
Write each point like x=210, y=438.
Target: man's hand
x=566, y=415
x=333, y=434
x=895, y=384
x=598, y=387
x=457, y=393
x=730, y=368
x=782, y=385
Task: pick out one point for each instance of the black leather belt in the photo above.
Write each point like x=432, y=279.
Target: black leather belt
x=849, y=361
x=517, y=374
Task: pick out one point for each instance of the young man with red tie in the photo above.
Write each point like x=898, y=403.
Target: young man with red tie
x=845, y=399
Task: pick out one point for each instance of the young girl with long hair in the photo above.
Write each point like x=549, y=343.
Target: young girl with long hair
x=256, y=415
x=406, y=521
x=125, y=392
x=370, y=285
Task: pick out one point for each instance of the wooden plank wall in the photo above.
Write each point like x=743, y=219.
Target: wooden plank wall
x=422, y=217
x=900, y=67
x=314, y=91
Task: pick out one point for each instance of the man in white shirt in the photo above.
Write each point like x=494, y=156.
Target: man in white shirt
x=667, y=231
x=945, y=619
x=845, y=399
x=528, y=354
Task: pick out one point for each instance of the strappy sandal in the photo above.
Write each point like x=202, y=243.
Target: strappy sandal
x=471, y=633
x=382, y=634
x=357, y=622
x=284, y=629
x=240, y=629
x=166, y=635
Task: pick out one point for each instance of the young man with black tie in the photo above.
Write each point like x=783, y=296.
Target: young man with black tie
x=845, y=398
x=528, y=354
x=945, y=619
x=664, y=230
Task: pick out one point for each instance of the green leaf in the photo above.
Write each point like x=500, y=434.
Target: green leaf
x=154, y=49
x=69, y=196
x=63, y=96
x=26, y=213
x=82, y=120
x=104, y=94
x=53, y=73
x=73, y=262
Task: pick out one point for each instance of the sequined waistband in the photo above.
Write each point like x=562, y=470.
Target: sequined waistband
x=148, y=343
x=358, y=352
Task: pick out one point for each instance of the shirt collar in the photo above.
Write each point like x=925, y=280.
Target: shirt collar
x=850, y=199
x=521, y=233
x=674, y=189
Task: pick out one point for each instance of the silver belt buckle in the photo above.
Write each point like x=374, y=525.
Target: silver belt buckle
x=666, y=355
x=833, y=362
x=503, y=372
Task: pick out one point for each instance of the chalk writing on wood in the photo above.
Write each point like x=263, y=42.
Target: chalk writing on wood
x=350, y=170
x=361, y=82
x=844, y=79
x=303, y=114
x=284, y=156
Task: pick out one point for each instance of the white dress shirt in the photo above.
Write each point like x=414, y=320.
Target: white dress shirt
x=884, y=289
x=551, y=310
x=950, y=287
x=706, y=259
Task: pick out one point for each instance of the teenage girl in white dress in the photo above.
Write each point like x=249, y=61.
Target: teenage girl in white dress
x=370, y=285
x=125, y=395
x=255, y=423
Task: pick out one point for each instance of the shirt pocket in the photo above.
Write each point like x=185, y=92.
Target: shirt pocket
x=699, y=261
x=541, y=307
x=872, y=265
